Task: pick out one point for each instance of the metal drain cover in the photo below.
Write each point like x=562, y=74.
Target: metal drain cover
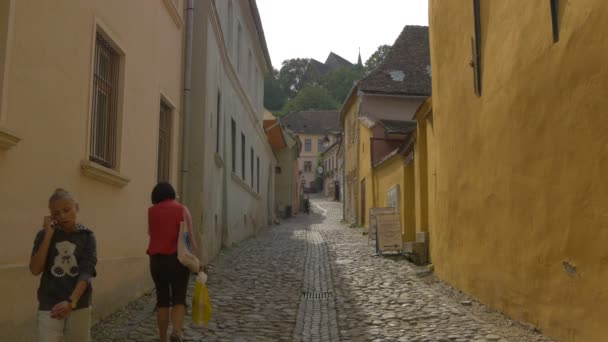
x=317, y=295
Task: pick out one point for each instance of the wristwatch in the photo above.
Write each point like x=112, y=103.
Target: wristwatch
x=72, y=303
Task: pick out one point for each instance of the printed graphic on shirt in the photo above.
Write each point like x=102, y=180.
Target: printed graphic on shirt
x=65, y=261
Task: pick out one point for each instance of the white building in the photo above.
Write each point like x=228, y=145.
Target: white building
x=229, y=180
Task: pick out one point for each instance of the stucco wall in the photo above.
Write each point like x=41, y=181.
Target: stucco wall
x=520, y=170
x=365, y=173
x=47, y=104
x=386, y=176
x=351, y=158
x=227, y=206
x=390, y=107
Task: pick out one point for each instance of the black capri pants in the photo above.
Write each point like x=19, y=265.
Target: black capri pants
x=170, y=279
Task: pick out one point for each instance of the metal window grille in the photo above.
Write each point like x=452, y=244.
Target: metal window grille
x=164, y=143
x=476, y=49
x=243, y=156
x=233, y=128
x=554, y=19
x=104, y=111
x=217, y=122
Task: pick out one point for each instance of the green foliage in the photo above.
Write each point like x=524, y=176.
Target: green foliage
x=274, y=96
x=311, y=98
x=340, y=81
x=376, y=58
x=291, y=75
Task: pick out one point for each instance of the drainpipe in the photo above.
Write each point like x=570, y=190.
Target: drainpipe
x=186, y=104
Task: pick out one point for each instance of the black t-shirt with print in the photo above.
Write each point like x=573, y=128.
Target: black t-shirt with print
x=71, y=257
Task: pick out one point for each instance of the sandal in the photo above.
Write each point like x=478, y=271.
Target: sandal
x=175, y=338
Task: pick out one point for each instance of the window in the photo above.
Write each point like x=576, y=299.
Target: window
x=257, y=172
x=243, y=156
x=250, y=71
x=307, y=166
x=233, y=131
x=252, y=178
x=476, y=49
x=104, y=111
x=229, y=30
x=217, y=122
x=239, y=34
x=320, y=147
x=307, y=145
x=164, y=143
x=554, y=19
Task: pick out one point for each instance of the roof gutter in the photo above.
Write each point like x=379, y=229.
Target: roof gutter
x=260, y=31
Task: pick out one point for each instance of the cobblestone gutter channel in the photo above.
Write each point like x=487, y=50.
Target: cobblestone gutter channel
x=316, y=320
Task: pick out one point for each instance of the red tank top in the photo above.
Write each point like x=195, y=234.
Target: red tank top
x=163, y=227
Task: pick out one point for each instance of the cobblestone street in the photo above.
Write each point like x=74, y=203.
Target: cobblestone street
x=312, y=278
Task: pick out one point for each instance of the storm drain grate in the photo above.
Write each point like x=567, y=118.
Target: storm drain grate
x=317, y=295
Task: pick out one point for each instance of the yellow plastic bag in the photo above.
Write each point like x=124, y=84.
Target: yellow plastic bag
x=201, y=303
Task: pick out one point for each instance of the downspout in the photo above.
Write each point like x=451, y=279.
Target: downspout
x=186, y=105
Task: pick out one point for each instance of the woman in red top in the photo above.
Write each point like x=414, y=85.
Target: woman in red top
x=169, y=275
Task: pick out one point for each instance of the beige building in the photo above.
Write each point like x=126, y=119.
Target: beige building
x=314, y=129
x=90, y=100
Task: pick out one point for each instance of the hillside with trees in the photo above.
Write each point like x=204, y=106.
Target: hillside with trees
x=299, y=85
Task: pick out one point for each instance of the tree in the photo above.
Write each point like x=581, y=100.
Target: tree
x=377, y=58
x=291, y=75
x=311, y=98
x=274, y=96
x=340, y=81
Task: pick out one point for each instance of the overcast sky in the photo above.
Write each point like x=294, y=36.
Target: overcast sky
x=314, y=28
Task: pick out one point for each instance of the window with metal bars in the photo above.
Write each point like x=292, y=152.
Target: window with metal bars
x=217, y=122
x=104, y=105
x=554, y=19
x=233, y=129
x=476, y=49
x=164, y=143
x=243, y=156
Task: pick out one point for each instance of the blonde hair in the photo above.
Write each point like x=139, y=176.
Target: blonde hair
x=59, y=194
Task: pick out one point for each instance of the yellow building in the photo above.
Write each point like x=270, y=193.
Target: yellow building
x=90, y=98
x=519, y=102
x=393, y=91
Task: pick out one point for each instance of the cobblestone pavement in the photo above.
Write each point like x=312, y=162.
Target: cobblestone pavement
x=312, y=278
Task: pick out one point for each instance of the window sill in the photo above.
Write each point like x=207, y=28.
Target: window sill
x=242, y=183
x=174, y=12
x=8, y=138
x=218, y=161
x=103, y=174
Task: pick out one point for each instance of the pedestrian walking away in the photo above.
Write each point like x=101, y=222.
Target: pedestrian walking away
x=169, y=275
x=65, y=255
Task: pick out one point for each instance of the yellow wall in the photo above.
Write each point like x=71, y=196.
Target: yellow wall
x=47, y=105
x=350, y=124
x=521, y=170
x=394, y=172
x=365, y=173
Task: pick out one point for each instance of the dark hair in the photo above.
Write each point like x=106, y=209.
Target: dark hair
x=161, y=192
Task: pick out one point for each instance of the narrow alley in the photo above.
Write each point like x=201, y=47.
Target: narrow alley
x=313, y=278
